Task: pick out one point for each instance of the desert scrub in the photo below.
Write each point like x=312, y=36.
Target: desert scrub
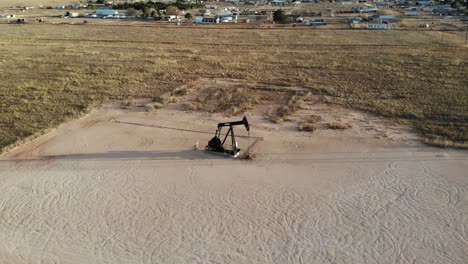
x=339, y=125
x=231, y=101
x=293, y=104
x=309, y=127
x=64, y=69
x=192, y=106
x=166, y=98
x=310, y=124
x=128, y=104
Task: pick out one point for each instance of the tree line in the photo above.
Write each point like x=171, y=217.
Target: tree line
x=157, y=5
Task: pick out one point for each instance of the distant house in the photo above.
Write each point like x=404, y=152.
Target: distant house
x=106, y=12
x=423, y=3
x=71, y=14
x=206, y=20
x=299, y=19
x=314, y=23
x=356, y=20
x=379, y=26
x=204, y=12
x=383, y=6
x=257, y=18
x=369, y=10
x=8, y=16
x=170, y=18
x=411, y=8
x=372, y=18
x=226, y=18
x=279, y=2
x=388, y=17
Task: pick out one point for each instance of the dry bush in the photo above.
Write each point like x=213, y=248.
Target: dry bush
x=128, y=104
x=230, y=101
x=275, y=118
x=310, y=124
x=166, y=98
x=444, y=143
x=314, y=119
x=192, y=106
x=421, y=83
x=309, y=127
x=183, y=90
x=294, y=103
x=339, y=125
x=250, y=155
x=151, y=107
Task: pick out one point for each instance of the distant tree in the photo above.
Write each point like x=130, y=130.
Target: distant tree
x=280, y=16
x=456, y=4
x=188, y=16
x=132, y=12
x=154, y=13
x=145, y=11
x=172, y=10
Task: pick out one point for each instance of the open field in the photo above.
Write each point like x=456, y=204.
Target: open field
x=126, y=186
x=51, y=73
x=338, y=172
x=35, y=3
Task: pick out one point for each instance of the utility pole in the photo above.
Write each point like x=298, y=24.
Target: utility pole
x=466, y=35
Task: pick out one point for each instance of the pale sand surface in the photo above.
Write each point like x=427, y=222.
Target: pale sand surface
x=123, y=186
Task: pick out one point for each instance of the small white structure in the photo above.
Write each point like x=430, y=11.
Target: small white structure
x=278, y=2
x=71, y=14
x=170, y=18
x=8, y=16
x=106, y=12
x=226, y=18
x=356, y=20
x=299, y=19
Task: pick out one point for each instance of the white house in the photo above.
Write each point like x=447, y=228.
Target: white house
x=170, y=18
x=8, y=16
x=225, y=18
x=71, y=14
x=106, y=12
x=206, y=20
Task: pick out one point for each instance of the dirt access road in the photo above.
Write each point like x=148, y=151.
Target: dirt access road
x=121, y=186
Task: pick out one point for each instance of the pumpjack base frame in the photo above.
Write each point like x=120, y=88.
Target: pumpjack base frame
x=224, y=154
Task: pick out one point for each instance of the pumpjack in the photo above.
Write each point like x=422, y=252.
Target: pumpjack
x=217, y=145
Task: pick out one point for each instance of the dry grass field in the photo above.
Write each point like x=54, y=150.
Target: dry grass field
x=52, y=73
x=331, y=170
x=10, y=3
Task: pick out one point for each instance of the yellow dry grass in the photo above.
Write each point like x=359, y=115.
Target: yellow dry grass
x=51, y=73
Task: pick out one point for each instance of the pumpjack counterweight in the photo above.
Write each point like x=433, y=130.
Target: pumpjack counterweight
x=217, y=145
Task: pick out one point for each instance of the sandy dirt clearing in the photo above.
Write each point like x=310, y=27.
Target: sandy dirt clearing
x=120, y=186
